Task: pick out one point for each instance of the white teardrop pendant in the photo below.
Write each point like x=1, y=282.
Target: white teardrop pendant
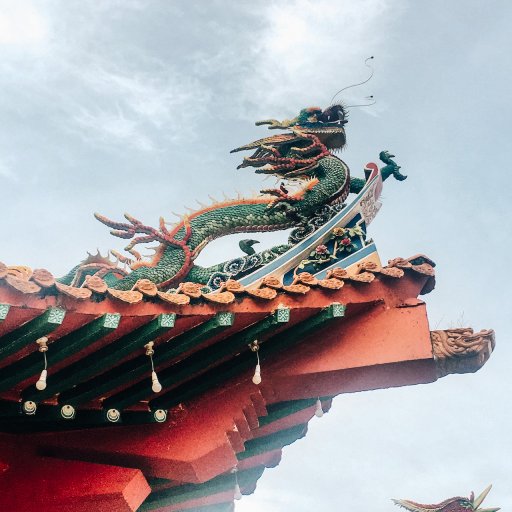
x=319, y=412
x=155, y=383
x=238, y=493
x=41, y=383
x=257, y=375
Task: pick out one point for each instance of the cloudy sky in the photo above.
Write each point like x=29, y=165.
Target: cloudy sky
x=129, y=105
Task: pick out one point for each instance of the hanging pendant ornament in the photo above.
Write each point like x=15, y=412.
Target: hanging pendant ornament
x=155, y=383
x=43, y=348
x=319, y=412
x=255, y=347
x=237, y=492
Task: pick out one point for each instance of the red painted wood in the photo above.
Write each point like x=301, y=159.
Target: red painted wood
x=46, y=485
x=388, y=345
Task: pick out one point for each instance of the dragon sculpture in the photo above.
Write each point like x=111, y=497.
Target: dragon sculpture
x=456, y=504
x=302, y=156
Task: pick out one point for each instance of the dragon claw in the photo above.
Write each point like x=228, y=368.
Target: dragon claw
x=281, y=198
x=391, y=167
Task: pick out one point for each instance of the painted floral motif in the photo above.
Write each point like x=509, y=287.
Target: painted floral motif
x=341, y=242
x=344, y=238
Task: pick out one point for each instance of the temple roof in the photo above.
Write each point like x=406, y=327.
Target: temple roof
x=174, y=448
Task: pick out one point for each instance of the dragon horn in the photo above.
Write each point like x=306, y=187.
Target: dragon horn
x=276, y=125
x=478, y=501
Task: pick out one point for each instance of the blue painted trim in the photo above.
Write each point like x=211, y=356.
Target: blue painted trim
x=310, y=240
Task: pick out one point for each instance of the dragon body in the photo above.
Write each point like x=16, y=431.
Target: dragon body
x=303, y=157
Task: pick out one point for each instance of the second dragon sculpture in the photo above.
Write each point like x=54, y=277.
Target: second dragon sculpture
x=456, y=504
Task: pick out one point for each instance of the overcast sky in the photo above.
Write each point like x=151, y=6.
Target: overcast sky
x=126, y=105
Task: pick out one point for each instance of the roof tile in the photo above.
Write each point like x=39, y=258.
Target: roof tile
x=297, y=288
x=178, y=299
x=263, y=293
x=95, y=284
x=146, y=287
x=331, y=283
x=72, y=291
x=22, y=285
x=130, y=296
x=43, y=278
x=220, y=297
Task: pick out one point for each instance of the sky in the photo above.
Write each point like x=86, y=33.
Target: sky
x=133, y=106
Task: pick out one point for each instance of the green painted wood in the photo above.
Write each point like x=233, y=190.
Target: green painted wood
x=103, y=359
x=187, y=492
x=271, y=442
x=4, y=311
x=200, y=361
x=217, y=507
x=137, y=367
x=48, y=418
x=58, y=350
x=155, y=481
x=9, y=409
x=246, y=360
x=30, y=331
x=283, y=409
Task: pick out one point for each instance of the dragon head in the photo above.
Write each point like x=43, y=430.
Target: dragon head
x=311, y=137
x=457, y=504
x=327, y=125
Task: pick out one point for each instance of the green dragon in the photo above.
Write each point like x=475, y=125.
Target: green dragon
x=302, y=156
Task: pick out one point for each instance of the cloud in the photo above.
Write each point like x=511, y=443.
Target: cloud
x=310, y=49
x=111, y=128
x=6, y=172
x=137, y=108
x=84, y=86
x=22, y=23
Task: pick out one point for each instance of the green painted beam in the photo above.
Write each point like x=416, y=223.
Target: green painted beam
x=9, y=409
x=139, y=366
x=283, y=409
x=246, y=360
x=200, y=361
x=271, y=442
x=4, y=311
x=155, y=481
x=103, y=359
x=58, y=350
x=30, y=331
x=48, y=418
x=216, y=507
x=183, y=493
